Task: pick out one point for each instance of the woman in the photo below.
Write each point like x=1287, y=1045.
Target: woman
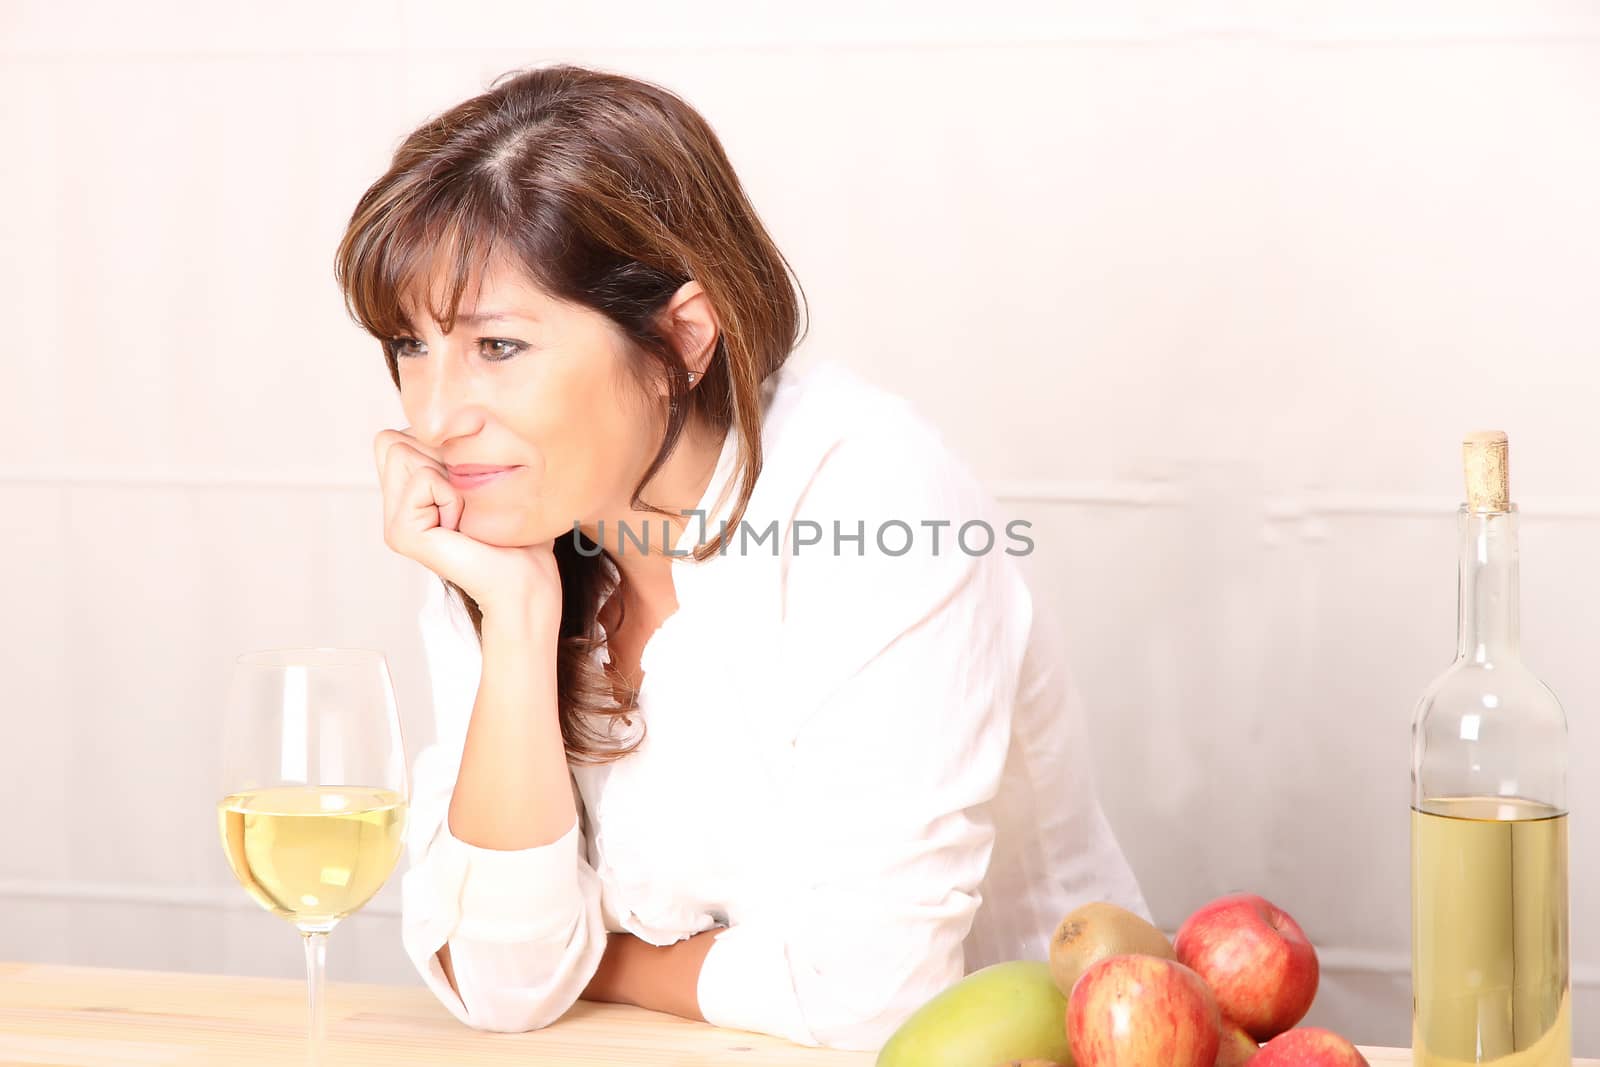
x=738, y=718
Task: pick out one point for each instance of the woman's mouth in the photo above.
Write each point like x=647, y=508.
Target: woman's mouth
x=472, y=475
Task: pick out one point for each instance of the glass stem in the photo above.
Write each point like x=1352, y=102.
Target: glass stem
x=316, y=966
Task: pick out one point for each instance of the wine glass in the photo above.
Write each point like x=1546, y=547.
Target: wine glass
x=315, y=791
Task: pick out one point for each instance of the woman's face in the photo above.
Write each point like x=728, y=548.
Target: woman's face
x=529, y=382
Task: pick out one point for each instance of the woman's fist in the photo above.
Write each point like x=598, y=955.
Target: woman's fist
x=422, y=521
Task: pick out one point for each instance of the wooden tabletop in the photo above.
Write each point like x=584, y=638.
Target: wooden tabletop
x=91, y=1017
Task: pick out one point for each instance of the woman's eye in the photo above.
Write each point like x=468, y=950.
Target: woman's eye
x=494, y=349
x=501, y=354
x=400, y=347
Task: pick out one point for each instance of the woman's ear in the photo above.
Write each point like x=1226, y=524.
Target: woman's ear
x=692, y=324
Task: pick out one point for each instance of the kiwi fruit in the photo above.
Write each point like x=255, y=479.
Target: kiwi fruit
x=1095, y=931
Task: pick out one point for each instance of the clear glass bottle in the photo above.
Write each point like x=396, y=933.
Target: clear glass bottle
x=1490, y=970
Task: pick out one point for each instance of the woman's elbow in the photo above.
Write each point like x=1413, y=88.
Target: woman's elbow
x=511, y=1011
x=515, y=988
x=867, y=1025
x=873, y=1011
x=512, y=1004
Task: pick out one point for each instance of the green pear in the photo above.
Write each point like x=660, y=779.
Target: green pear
x=1002, y=1013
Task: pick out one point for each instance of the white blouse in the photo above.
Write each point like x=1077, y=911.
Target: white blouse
x=868, y=764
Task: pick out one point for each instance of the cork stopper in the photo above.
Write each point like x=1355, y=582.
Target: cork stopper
x=1484, y=456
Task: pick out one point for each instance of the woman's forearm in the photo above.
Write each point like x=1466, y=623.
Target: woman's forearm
x=658, y=977
x=513, y=790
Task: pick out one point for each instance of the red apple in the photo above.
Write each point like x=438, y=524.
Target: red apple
x=1134, y=1011
x=1309, y=1046
x=1237, y=1047
x=1255, y=958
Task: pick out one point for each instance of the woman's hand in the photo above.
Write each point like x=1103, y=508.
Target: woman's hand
x=421, y=520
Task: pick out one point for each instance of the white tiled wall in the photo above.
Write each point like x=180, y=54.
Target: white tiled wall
x=1207, y=295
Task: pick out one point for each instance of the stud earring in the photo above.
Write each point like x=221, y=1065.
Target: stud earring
x=693, y=377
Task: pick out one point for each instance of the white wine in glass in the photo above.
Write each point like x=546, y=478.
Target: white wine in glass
x=314, y=783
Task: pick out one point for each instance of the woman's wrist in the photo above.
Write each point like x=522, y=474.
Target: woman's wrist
x=658, y=977
x=532, y=616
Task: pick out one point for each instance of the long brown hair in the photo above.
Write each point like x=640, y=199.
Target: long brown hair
x=611, y=193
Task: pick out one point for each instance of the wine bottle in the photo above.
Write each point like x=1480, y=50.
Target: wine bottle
x=1490, y=970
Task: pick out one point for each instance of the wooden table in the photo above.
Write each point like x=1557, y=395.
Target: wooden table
x=90, y=1017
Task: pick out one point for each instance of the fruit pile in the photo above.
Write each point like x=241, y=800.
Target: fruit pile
x=1116, y=993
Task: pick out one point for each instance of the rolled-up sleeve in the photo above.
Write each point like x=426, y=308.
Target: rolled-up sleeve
x=525, y=927
x=897, y=699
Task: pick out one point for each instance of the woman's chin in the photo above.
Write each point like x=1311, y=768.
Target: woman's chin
x=505, y=531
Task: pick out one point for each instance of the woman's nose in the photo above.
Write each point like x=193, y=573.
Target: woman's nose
x=442, y=404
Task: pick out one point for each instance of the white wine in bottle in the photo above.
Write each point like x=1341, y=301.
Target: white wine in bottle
x=312, y=854
x=1490, y=970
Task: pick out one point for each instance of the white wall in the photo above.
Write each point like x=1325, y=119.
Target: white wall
x=1209, y=296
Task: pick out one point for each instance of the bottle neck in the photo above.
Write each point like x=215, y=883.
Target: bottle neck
x=1488, y=622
